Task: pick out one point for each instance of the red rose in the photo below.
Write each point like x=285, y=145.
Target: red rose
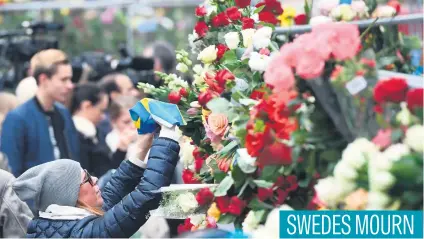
x=301, y=19
x=268, y=17
x=201, y=11
x=174, y=97
x=257, y=94
x=279, y=182
x=233, y=13
x=248, y=23
x=236, y=206
x=204, y=197
x=281, y=196
x=291, y=183
x=185, y=227
x=204, y=98
x=220, y=20
x=222, y=48
x=272, y=6
x=395, y=4
x=223, y=203
x=197, y=154
x=392, y=90
x=201, y=29
x=243, y=3
x=264, y=193
x=414, y=99
x=188, y=177
x=184, y=92
x=223, y=76
x=254, y=141
x=275, y=154
x=198, y=164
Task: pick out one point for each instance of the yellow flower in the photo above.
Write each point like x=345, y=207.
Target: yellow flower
x=214, y=212
x=205, y=113
x=287, y=17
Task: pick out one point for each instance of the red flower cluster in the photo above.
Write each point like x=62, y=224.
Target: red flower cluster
x=233, y=13
x=243, y=3
x=301, y=19
x=270, y=12
x=220, y=20
x=204, y=197
x=217, y=83
x=205, y=97
x=201, y=11
x=391, y=90
x=234, y=205
x=201, y=28
x=185, y=227
x=248, y=23
x=188, y=177
x=414, y=99
x=280, y=190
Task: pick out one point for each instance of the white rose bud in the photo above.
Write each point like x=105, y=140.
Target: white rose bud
x=247, y=35
x=262, y=37
x=414, y=138
x=198, y=69
x=181, y=67
x=232, y=39
x=208, y=55
x=381, y=181
x=343, y=171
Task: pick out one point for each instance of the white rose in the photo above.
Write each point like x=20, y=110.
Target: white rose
x=396, y=151
x=250, y=223
x=329, y=191
x=208, y=55
x=344, y=171
x=415, y=138
x=187, y=202
x=246, y=162
x=258, y=62
x=198, y=69
x=181, y=67
x=232, y=39
x=381, y=181
x=384, y=11
x=247, y=35
x=187, y=153
x=377, y=200
x=262, y=37
x=319, y=20
x=404, y=116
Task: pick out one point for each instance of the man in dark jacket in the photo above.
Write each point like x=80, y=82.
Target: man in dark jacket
x=41, y=130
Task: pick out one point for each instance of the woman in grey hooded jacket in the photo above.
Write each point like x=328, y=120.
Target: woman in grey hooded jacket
x=14, y=214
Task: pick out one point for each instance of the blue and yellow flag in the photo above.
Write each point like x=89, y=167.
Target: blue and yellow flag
x=147, y=113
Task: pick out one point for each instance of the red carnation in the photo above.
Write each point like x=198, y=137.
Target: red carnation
x=268, y=17
x=264, y=193
x=174, y=97
x=236, y=206
x=204, y=197
x=201, y=29
x=201, y=11
x=248, y=23
x=220, y=20
x=301, y=19
x=204, y=98
x=185, y=227
x=243, y=3
x=223, y=203
x=414, y=99
x=223, y=76
x=254, y=141
x=188, y=177
x=233, y=13
x=222, y=48
x=392, y=90
x=184, y=92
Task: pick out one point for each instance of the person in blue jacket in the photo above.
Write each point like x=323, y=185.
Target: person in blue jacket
x=41, y=130
x=71, y=204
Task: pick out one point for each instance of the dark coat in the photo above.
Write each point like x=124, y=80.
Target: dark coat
x=127, y=199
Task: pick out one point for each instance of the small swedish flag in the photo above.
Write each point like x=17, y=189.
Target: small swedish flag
x=147, y=113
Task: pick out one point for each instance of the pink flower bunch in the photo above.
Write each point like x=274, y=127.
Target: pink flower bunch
x=308, y=53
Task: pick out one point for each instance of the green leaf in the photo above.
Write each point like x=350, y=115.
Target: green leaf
x=263, y=183
x=226, y=219
x=218, y=105
x=412, y=42
x=255, y=204
x=219, y=176
x=229, y=57
x=229, y=147
x=269, y=173
x=223, y=187
x=259, y=9
x=330, y=155
x=238, y=176
x=397, y=135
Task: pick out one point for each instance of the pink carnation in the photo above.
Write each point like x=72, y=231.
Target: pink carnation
x=289, y=54
x=279, y=75
x=310, y=66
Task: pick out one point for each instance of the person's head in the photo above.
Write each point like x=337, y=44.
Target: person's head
x=119, y=113
x=8, y=102
x=90, y=102
x=53, y=74
x=116, y=85
x=62, y=182
x=164, y=55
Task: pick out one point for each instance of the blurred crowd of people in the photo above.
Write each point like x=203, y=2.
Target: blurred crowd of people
x=48, y=118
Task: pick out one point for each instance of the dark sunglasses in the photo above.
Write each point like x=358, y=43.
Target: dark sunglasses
x=88, y=178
